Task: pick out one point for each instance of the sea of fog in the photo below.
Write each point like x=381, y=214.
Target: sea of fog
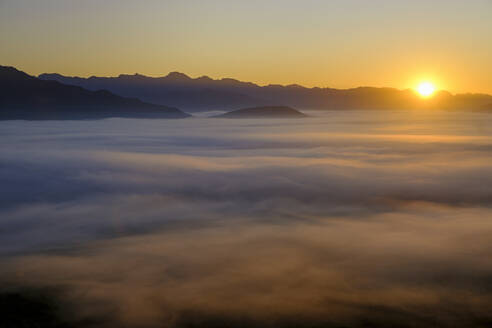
x=341, y=219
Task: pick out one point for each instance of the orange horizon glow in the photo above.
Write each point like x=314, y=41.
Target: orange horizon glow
x=311, y=43
x=426, y=89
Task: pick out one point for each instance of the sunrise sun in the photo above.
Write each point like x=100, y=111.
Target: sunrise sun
x=426, y=89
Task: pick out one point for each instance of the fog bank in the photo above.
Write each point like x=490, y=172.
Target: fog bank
x=342, y=219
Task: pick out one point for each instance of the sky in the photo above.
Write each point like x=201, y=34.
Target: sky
x=335, y=43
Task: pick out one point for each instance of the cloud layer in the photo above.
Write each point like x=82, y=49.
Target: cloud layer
x=349, y=219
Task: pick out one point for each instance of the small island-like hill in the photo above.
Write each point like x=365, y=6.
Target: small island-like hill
x=263, y=112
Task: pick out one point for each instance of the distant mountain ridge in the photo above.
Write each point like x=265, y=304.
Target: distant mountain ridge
x=175, y=89
x=26, y=97
x=203, y=93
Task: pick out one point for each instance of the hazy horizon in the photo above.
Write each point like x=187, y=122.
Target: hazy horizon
x=339, y=44
x=233, y=78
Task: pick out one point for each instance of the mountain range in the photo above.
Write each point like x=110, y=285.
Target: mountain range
x=26, y=97
x=53, y=96
x=203, y=93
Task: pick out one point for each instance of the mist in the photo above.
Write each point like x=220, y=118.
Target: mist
x=340, y=219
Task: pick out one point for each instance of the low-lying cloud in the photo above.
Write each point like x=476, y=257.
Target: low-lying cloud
x=345, y=220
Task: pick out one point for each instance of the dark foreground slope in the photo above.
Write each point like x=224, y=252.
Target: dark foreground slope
x=204, y=93
x=264, y=112
x=26, y=97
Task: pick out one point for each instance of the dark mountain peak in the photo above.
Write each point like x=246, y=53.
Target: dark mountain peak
x=229, y=82
x=204, y=78
x=63, y=78
x=228, y=79
x=133, y=77
x=9, y=73
x=295, y=86
x=9, y=69
x=368, y=88
x=50, y=76
x=274, y=86
x=177, y=76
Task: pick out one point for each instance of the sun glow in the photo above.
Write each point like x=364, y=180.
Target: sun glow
x=426, y=89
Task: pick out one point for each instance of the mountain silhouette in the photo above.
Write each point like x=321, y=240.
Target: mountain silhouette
x=175, y=89
x=263, y=112
x=204, y=93
x=26, y=97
